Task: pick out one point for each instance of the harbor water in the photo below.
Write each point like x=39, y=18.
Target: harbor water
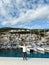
x=19, y=53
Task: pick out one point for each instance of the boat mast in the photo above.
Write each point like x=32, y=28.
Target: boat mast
x=44, y=33
x=39, y=34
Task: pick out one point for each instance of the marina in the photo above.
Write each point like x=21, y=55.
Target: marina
x=24, y=32
x=11, y=43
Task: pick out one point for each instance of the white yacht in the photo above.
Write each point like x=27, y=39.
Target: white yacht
x=40, y=49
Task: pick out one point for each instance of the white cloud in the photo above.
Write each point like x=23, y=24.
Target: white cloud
x=39, y=13
x=36, y=26
x=6, y=1
x=4, y=23
x=1, y=4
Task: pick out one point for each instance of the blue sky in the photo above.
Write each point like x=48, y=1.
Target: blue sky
x=33, y=14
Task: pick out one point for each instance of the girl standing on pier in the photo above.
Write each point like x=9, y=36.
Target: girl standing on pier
x=24, y=52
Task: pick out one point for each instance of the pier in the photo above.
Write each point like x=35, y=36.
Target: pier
x=20, y=61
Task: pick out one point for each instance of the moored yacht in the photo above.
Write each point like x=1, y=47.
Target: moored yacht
x=40, y=49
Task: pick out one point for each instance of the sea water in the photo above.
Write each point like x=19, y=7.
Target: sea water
x=19, y=53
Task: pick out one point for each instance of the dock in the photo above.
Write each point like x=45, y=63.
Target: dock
x=20, y=61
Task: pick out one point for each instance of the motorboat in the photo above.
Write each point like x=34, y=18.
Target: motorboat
x=40, y=49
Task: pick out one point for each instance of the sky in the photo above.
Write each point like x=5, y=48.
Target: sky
x=32, y=14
